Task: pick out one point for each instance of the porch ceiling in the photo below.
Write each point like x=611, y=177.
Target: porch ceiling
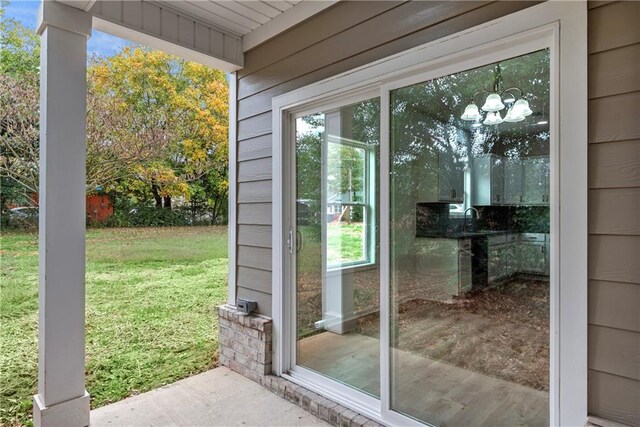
x=221, y=29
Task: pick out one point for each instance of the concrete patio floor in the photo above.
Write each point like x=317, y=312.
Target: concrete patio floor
x=219, y=397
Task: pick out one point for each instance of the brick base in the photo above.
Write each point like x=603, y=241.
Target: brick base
x=244, y=342
x=323, y=408
x=245, y=347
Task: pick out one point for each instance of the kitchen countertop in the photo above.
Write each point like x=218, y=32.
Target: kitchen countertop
x=462, y=234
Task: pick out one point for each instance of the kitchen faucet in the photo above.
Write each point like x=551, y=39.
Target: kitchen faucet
x=464, y=218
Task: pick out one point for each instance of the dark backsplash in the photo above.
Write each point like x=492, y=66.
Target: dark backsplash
x=433, y=219
x=523, y=219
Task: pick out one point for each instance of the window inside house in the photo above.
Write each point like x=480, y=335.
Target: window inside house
x=347, y=197
x=343, y=188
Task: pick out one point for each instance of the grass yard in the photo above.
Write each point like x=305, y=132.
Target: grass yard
x=345, y=242
x=150, y=294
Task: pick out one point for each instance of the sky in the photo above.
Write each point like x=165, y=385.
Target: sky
x=99, y=44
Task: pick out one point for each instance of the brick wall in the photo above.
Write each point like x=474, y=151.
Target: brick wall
x=245, y=343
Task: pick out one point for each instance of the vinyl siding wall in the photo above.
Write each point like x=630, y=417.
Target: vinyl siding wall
x=614, y=211
x=352, y=34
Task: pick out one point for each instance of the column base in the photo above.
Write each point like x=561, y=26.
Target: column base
x=72, y=413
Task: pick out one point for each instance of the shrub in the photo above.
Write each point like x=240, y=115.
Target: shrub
x=145, y=216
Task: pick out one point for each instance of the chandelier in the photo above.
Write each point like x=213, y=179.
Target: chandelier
x=497, y=100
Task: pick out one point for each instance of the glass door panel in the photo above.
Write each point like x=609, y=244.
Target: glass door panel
x=469, y=232
x=337, y=265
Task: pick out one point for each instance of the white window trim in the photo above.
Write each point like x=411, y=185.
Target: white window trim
x=565, y=25
x=232, y=209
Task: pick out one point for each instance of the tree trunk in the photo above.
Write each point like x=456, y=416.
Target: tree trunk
x=167, y=202
x=215, y=211
x=156, y=195
x=193, y=212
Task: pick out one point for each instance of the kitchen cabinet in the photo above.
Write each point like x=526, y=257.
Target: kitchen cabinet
x=436, y=268
x=497, y=258
x=465, y=269
x=526, y=181
x=516, y=253
x=439, y=178
x=496, y=263
x=533, y=256
x=487, y=180
x=535, y=173
x=511, y=255
x=451, y=178
x=443, y=268
x=513, y=181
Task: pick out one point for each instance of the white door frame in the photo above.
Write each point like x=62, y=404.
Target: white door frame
x=561, y=26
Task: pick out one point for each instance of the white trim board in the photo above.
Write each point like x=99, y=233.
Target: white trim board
x=232, y=210
x=561, y=26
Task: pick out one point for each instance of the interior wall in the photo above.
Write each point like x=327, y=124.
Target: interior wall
x=614, y=211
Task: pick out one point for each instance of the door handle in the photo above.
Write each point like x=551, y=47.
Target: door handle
x=299, y=241
x=290, y=242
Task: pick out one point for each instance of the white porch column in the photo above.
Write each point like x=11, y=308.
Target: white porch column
x=62, y=399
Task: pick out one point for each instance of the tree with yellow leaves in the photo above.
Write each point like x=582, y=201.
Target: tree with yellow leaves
x=172, y=114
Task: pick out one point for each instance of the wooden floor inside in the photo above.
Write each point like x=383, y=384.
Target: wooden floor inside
x=432, y=391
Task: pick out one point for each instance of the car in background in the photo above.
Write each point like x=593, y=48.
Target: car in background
x=23, y=217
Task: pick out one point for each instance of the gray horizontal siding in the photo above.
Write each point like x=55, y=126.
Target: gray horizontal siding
x=614, y=164
x=254, y=148
x=614, y=304
x=614, y=206
x=255, y=213
x=623, y=204
x=333, y=21
x=254, y=235
x=250, y=256
x=262, y=298
x=252, y=278
x=254, y=192
x=614, y=397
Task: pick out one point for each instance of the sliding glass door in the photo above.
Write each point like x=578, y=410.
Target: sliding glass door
x=470, y=235
x=457, y=331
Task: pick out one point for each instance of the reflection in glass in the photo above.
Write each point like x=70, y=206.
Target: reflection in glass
x=469, y=248
x=337, y=267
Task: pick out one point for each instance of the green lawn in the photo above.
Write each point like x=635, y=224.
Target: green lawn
x=345, y=242
x=151, y=295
